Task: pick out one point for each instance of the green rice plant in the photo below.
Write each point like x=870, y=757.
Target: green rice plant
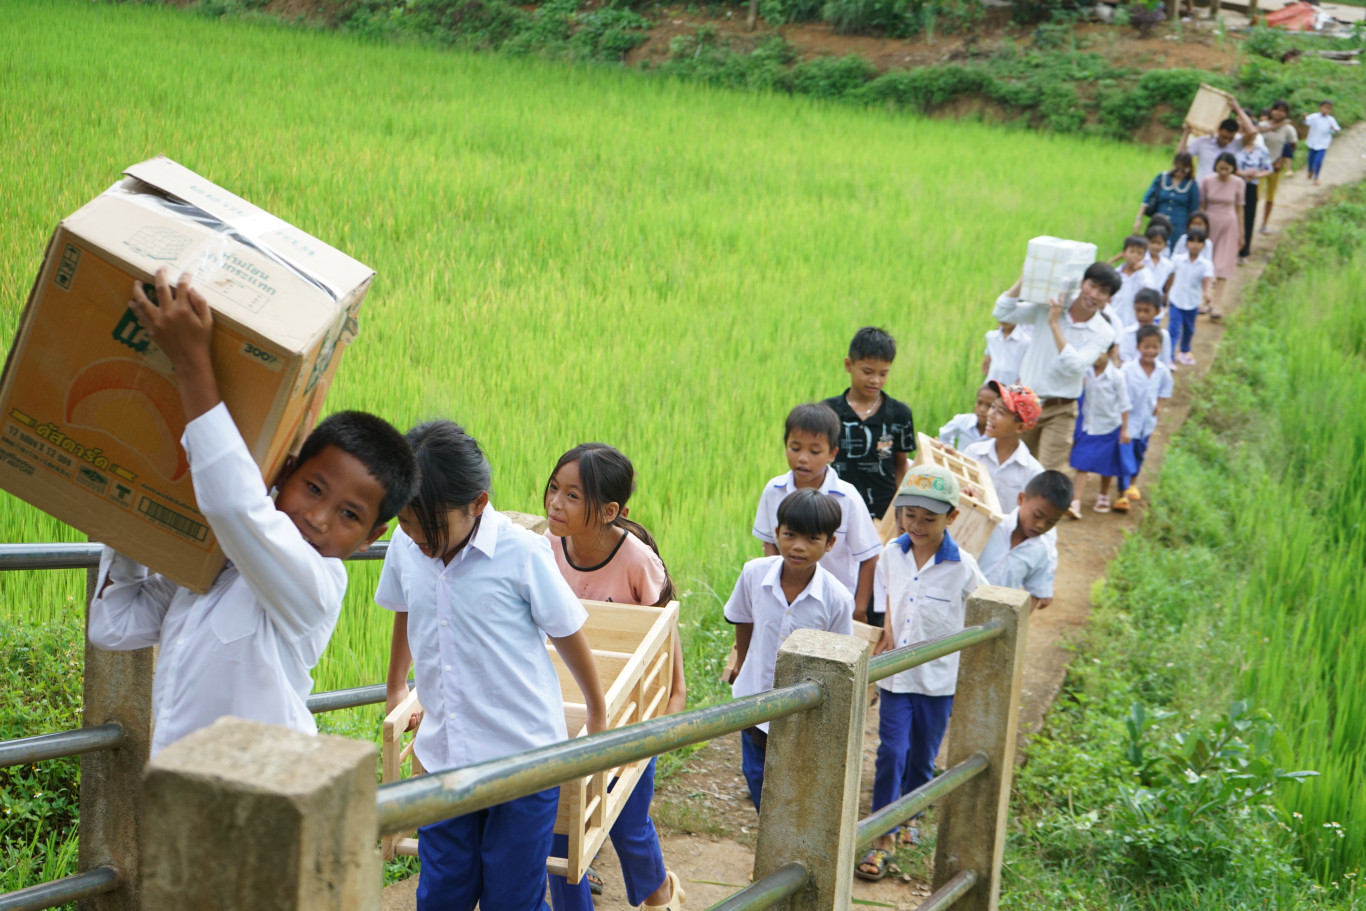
x=564, y=253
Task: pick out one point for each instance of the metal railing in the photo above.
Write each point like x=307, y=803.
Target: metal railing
x=101, y=880
x=402, y=805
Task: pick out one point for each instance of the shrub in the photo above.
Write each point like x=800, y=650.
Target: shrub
x=831, y=77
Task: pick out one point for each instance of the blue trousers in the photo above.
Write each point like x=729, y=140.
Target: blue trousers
x=1181, y=323
x=1316, y=161
x=495, y=857
x=910, y=728
x=637, y=845
x=753, y=749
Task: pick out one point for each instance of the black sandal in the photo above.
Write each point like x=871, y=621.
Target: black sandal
x=594, y=880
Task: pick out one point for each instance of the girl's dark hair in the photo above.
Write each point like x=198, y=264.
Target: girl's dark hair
x=1227, y=158
x=1197, y=234
x=1183, y=160
x=1200, y=214
x=454, y=474
x=1162, y=221
x=1156, y=229
x=810, y=512
x=606, y=475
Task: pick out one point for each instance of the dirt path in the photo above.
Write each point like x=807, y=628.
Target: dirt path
x=704, y=814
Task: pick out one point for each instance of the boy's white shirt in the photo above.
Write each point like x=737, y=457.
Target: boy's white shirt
x=1160, y=270
x=1107, y=398
x=247, y=646
x=855, y=541
x=1144, y=391
x=1029, y=566
x=1128, y=345
x=1009, y=478
x=758, y=598
x=1122, y=301
x=476, y=628
x=961, y=430
x=1049, y=372
x=926, y=603
x=1006, y=353
x=1206, y=252
x=1188, y=280
x=1321, y=129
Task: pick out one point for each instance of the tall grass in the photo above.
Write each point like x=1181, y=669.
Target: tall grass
x=564, y=254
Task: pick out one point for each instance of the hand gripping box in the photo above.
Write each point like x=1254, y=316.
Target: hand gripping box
x=1050, y=264
x=90, y=416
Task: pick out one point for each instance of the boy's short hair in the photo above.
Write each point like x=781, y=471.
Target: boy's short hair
x=810, y=512
x=1053, y=486
x=1150, y=296
x=1280, y=103
x=814, y=417
x=1148, y=331
x=1197, y=234
x=1229, y=125
x=1105, y=275
x=872, y=343
x=1162, y=220
x=1134, y=240
x=377, y=445
x=1156, y=229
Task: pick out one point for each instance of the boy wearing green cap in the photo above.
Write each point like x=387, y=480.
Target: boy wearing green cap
x=927, y=580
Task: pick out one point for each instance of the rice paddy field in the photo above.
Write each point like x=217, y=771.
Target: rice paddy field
x=563, y=254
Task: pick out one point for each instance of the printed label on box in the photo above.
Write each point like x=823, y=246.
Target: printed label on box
x=159, y=242
x=176, y=522
x=66, y=269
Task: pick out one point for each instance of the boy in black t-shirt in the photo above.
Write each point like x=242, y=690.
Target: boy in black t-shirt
x=876, y=431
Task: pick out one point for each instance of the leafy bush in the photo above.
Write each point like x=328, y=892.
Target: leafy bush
x=781, y=12
x=831, y=77
x=1266, y=42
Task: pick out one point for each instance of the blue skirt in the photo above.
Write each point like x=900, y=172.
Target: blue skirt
x=1098, y=454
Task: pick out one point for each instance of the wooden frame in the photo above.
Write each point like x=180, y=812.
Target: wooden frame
x=979, y=512
x=634, y=649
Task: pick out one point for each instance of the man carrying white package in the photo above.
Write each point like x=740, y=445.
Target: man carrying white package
x=1068, y=337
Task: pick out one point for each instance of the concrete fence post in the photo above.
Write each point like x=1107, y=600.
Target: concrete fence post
x=117, y=688
x=244, y=816
x=811, y=775
x=986, y=709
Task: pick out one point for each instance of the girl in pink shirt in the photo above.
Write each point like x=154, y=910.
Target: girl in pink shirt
x=604, y=556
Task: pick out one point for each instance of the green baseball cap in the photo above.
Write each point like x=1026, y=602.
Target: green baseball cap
x=931, y=487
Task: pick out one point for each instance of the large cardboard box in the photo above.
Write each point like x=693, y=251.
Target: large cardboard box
x=90, y=416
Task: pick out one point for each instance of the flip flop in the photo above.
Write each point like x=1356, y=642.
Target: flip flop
x=908, y=835
x=594, y=880
x=877, y=858
x=676, y=894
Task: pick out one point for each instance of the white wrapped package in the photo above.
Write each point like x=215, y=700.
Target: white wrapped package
x=1050, y=262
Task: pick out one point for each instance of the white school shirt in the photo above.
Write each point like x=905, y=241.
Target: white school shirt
x=1006, y=352
x=1206, y=252
x=1160, y=270
x=1029, y=566
x=1049, y=372
x=1188, y=280
x=1107, y=398
x=1122, y=302
x=961, y=431
x=247, y=646
x=926, y=602
x=1144, y=391
x=476, y=628
x=1128, y=345
x=855, y=541
x=758, y=598
x=1116, y=325
x=1009, y=478
x=1321, y=130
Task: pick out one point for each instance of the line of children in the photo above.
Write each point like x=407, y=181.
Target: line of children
x=1147, y=307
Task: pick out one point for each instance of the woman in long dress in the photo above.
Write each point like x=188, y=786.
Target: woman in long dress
x=1222, y=194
